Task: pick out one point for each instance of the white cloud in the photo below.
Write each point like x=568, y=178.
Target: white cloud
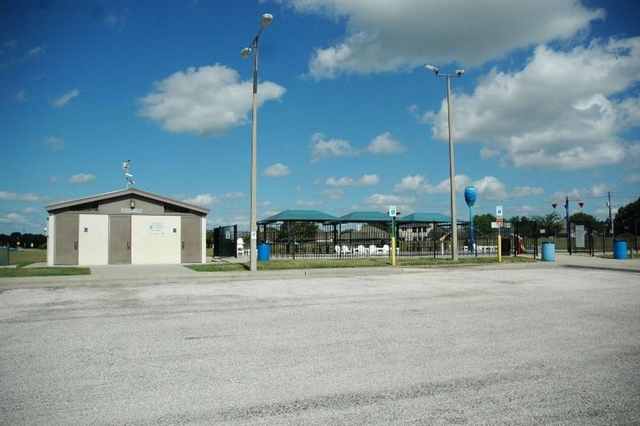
x=365, y=180
x=489, y=187
x=12, y=196
x=36, y=51
x=420, y=185
x=81, y=178
x=14, y=219
x=309, y=204
x=526, y=191
x=204, y=101
x=388, y=200
x=560, y=112
x=384, y=37
x=632, y=178
x=599, y=190
x=333, y=193
x=8, y=46
x=204, y=200
x=415, y=183
x=276, y=170
x=232, y=195
x=322, y=149
x=54, y=143
x=384, y=144
x=64, y=99
x=116, y=21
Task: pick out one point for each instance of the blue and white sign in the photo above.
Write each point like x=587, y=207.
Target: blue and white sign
x=393, y=212
x=499, y=211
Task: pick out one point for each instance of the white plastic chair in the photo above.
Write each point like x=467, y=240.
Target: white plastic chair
x=385, y=249
x=240, y=247
x=345, y=250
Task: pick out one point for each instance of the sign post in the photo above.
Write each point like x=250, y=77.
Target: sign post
x=393, y=212
x=499, y=221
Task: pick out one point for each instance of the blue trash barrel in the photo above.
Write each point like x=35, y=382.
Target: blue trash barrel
x=620, y=249
x=548, y=251
x=263, y=251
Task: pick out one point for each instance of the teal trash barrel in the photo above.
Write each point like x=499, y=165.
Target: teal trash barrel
x=548, y=252
x=620, y=249
x=263, y=252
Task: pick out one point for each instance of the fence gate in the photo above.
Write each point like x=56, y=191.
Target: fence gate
x=224, y=241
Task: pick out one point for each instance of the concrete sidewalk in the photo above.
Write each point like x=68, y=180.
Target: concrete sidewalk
x=150, y=274
x=597, y=262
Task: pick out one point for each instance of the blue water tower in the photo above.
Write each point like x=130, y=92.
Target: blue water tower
x=470, y=196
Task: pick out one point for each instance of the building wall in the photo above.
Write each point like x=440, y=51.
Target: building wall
x=155, y=239
x=153, y=234
x=51, y=235
x=123, y=206
x=93, y=239
x=203, y=240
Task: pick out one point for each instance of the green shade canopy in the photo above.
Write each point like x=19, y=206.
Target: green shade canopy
x=364, y=217
x=424, y=217
x=299, y=216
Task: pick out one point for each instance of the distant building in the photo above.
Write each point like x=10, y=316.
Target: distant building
x=129, y=226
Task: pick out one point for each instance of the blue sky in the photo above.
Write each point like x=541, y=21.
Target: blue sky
x=349, y=118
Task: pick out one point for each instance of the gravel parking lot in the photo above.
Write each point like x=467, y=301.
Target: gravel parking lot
x=442, y=346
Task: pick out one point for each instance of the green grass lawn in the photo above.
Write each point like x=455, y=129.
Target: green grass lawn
x=21, y=259
x=273, y=265
x=30, y=256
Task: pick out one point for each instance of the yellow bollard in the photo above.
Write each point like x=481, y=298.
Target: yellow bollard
x=393, y=251
x=499, y=248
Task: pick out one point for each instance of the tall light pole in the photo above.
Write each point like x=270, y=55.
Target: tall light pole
x=253, y=219
x=452, y=172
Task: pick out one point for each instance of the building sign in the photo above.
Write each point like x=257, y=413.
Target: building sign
x=580, y=234
x=156, y=228
x=127, y=210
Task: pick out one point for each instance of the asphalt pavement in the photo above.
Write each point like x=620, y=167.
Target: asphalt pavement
x=506, y=344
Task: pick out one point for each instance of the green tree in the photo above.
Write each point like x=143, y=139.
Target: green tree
x=482, y=224
x=586, y=219
x=551, y=223
x=209, y=238
x=298, y=231
x=627, y=218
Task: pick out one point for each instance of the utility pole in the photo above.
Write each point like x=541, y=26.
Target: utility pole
x=566, y=206
x=554, y=204
x=610, y=220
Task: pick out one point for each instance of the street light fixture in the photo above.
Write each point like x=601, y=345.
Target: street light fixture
x=253, y=217
x=452, y=172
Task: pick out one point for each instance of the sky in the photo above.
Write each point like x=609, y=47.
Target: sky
x=349, y=118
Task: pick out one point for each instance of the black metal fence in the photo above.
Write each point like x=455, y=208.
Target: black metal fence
x=428, y=239
x=225, y=241
x=424, y=239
